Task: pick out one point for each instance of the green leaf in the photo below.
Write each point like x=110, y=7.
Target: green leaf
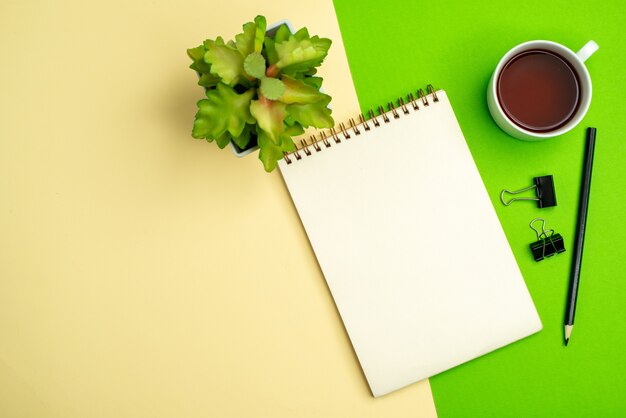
x=254, y=65
x=300, y=55
x=222, y=111
x=208, y=42
x=272, y=88
x=269, y=152
x=223, y=140
x=208, y=80
x=261, y=28
x=245, y=41
x=312, y=114
x=302, y=34
x=197, y=55
x=310, y=72
x=297, y=91
x=243, y=140
x=251, y=40
x=270, y=51
x=282, y=34
x=293, y=130
x=226, y=61
x=269, y=116
x=201, y=67
x=313, y=81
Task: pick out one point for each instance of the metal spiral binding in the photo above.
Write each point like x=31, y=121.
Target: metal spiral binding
x=381, y=111
x=354, y=127
x=334, y=135
x=341, y=129
x=431, y=90
x=403, y=106
x=413, y=102
x=393, y=110
x=373, y=117
x=346, y=134
x=420, y=94
x=315, y=144
x=305, y=147
x=364, y=122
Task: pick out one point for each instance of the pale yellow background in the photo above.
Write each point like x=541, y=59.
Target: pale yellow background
x=144, y=273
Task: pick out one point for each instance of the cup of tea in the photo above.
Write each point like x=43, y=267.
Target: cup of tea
x=540, y=89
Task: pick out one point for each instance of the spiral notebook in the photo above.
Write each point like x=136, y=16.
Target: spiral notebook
x=408, y=241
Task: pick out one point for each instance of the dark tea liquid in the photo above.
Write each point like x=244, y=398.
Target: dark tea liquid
x=538, y=90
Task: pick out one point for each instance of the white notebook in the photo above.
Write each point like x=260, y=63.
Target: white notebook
x=409, y=243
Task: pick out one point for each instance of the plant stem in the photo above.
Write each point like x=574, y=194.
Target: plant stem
x=272, y=71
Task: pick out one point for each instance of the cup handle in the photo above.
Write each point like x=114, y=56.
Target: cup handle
x=586, y=51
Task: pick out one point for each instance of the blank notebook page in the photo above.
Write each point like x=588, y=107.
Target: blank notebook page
x=410, y=246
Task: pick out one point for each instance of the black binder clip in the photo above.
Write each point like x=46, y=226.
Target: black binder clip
x=548, y=243
x=546, y=196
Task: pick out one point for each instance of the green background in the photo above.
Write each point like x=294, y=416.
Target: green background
x=396, y=47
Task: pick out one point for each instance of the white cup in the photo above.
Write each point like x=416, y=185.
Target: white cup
x=576, y=60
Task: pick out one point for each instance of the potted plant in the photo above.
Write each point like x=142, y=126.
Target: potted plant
x=261, y=89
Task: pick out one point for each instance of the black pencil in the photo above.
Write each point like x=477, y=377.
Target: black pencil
x=585, y=188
